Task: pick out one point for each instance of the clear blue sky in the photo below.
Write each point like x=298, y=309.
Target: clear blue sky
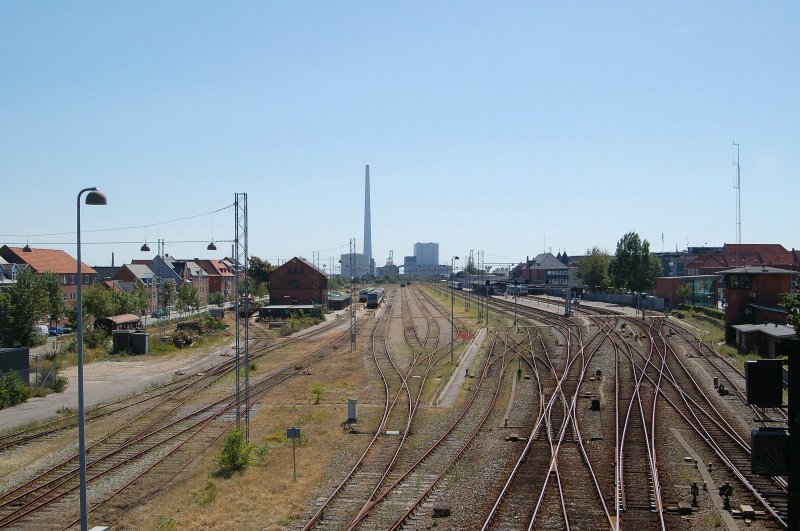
x=487, y=125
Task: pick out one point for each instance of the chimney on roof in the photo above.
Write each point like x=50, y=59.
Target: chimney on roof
x=112, y=258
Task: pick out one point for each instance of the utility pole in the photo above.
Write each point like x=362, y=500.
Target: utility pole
x=242, y=309
x=738, y=188
x=352, y=296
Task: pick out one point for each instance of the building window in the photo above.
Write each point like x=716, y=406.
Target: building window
x=86, y=279
x=65, y=280
x=72, y=296
x=739, y=281
x=65, y=297
x=72, y=279
x=295, y=284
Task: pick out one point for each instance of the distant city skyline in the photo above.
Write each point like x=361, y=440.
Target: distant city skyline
x=511, y=128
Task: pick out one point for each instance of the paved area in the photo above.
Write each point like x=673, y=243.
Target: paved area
x=110, y=380
x=556, y=304
x=105, y=381
x=450, y=392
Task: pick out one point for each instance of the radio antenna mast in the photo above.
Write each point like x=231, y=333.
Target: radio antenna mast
x=738, y=188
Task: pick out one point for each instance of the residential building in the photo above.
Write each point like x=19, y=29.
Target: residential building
x=131, y=275
x=9, y=272
x=221, y=278
x=52, y=261
x=297, y=281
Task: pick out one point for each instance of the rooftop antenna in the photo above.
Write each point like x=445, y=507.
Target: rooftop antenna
x=738, y=188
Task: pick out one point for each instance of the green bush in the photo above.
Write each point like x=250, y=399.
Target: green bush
x=318, y=392
x=13, y=390
x=60, y=384
x=209, y=323
x=166, y=523
x=205, y=495
x=235, y=454
x=96, y=337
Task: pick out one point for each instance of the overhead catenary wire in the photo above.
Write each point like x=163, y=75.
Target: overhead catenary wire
x=111, y=229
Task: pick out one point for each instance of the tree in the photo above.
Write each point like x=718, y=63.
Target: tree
x=217, y=298
x=791, y=301
x=683, y=292
x=187, y=298
x=593, y=268
x=138, y=300
x=6, y=320
x=98, y=302
x=168, y=293
x=633, y=268
x=27, y=302
x=55, y=299
x=259, y=270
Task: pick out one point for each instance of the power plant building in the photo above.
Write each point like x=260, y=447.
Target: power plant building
x=427, y=254
x=356, y=265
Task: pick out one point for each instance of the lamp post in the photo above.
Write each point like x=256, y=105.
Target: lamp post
x=452, y=306
x=94, y=197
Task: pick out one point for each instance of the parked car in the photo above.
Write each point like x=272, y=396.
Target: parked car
x=42, y=329
x=67, y=330
x=158, y=313
x=55, y=331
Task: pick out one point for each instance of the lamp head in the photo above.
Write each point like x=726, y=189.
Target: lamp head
x=27, y=248
x=145, y=248
x=211, y=247
x=96, y=197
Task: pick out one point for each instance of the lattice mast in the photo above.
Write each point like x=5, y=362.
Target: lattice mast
x=243, y=310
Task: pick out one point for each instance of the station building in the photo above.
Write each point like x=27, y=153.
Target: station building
x=298, y=282
x=753, y=296
x=704, y=290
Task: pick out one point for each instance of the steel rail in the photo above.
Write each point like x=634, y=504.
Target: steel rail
x=26, y=509
x=698, y=426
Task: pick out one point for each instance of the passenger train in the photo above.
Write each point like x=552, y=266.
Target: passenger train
x=375, y=297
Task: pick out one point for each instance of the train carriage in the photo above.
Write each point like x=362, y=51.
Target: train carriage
x=375, y=297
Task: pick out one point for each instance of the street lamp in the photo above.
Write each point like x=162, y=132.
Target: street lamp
x=452, y=305
x=94, y=197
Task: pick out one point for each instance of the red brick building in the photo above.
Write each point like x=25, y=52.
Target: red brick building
x=703, y=290
x=298, y=282
x=753, y=295
x=745, y=255
x=53, y=261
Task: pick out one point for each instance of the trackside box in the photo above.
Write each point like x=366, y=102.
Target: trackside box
x=764, y=382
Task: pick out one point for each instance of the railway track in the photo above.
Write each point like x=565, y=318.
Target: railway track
x=151, y=447
x=357, y=492
x=681, y=391
x=141, y=404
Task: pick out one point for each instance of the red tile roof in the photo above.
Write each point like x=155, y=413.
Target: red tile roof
x=214, y=267
x=45, y=260
x=748, y=254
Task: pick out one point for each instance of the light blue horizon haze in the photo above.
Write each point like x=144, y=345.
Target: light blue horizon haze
x=510, y=127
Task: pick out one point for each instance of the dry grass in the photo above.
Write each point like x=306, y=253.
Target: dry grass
x=265, y=496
